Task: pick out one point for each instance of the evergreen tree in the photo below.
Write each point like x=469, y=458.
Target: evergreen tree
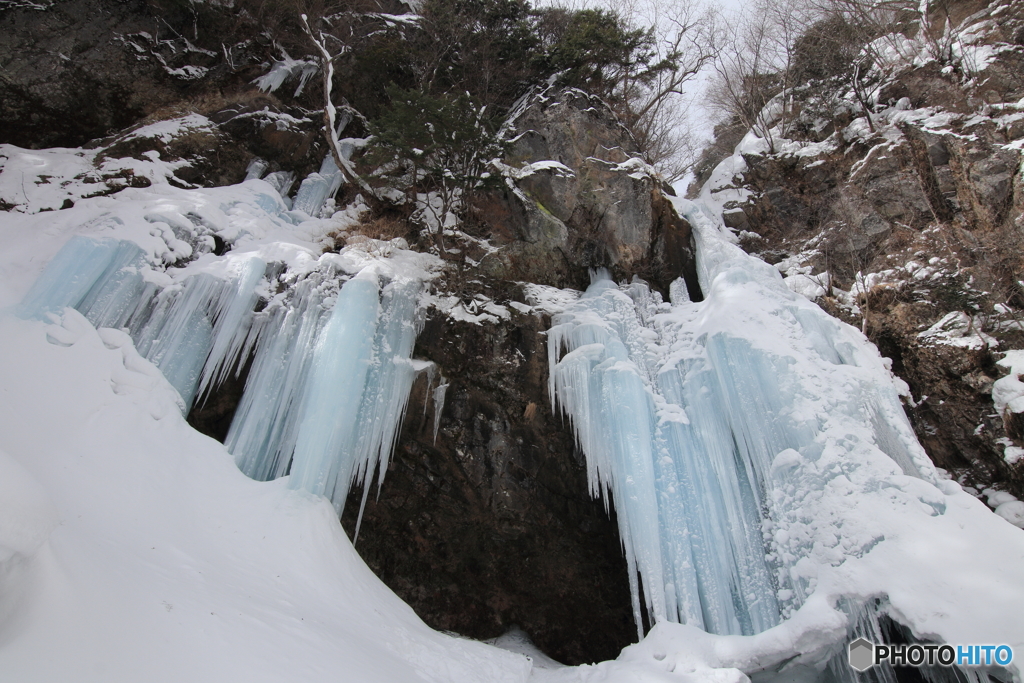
x=444, y=146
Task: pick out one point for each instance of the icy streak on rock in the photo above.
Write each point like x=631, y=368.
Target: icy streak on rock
x=439, y=393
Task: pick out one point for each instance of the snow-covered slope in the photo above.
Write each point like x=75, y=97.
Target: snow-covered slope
x=132, y=548
x=163, y=562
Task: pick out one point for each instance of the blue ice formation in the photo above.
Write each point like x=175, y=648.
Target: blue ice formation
x=330, y=388
x=317, y=187
x=661, y=448
x=331, y=366
x=190, y=330
x=695, y=416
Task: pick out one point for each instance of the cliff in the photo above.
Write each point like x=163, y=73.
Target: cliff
x=907, y=222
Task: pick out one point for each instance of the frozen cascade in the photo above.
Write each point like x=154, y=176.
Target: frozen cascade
x=338, y=378
x=359, y=382
x=329, y=385
x=191, y=330
x=96, y=275
x=317, y=187
x=331, y=345
x=636, y=454
x=714, y=427
x=194, y=334
x=263, y=431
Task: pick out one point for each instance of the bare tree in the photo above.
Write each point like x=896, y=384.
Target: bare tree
x=652, y=95
x=686, y=41
x=885, y=24
x=746, y=82
x=330, y=47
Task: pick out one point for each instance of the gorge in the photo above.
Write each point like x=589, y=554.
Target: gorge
x=584, y=419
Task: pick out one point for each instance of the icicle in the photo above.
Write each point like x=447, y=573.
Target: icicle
x=688, y=520
x=178, y=333
x=317, y=187
x=256, y=168
x=439, y=393
x=388, y=385
x=265, y=426
x=324, y=461
x=327, y=393
x=430, y=369
x=233, y=314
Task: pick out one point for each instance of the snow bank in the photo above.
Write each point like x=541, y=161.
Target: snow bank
x=168, y=564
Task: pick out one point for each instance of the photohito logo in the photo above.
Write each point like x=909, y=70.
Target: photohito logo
x=864, y=654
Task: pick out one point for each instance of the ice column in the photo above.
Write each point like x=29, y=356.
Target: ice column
x=688, y=518
x=328, y=388
x=317, y=187
x=192, y=330
x=338, y=379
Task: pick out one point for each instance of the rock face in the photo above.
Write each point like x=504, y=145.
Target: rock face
x=491, y=525
x=581, y=199
x=77, y=71
x=920, y=222
x=82, y=69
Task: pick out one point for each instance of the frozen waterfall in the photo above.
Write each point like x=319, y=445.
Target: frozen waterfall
x=192, y=330
x=330, y=355
x=330, y=388
x=723, y=432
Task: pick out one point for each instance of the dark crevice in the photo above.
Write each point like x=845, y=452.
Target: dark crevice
x=492, y=525
x=212, y=414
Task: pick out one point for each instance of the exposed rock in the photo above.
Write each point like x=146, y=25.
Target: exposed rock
x=888, y=183
x=582, y=198
x=983, y=174
x=927, y=86
x=491, y=524
x=953, y=415
x=82, y=69
x=288, y=138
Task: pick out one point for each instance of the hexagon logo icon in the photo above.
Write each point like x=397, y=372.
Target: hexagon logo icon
x=862, y=654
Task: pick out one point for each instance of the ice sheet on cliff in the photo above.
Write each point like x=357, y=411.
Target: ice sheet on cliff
x=766, y=480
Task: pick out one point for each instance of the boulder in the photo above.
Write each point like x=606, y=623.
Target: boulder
x=578, y=188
